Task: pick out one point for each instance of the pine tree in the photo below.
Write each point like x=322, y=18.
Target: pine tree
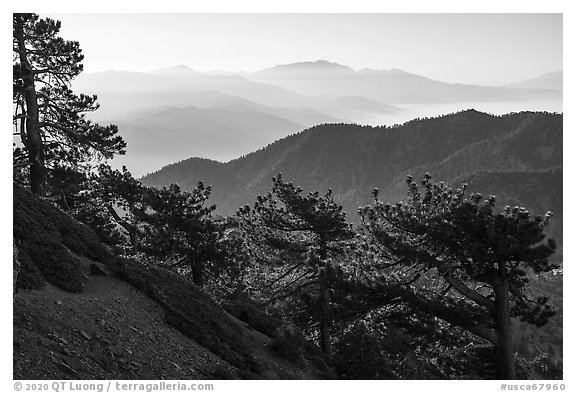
x=309, y=230
x=49, y=117
x=178, y=223
x=116, y=197
x=478, y=256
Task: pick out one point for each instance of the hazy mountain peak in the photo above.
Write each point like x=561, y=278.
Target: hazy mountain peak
x=310, y=66
x=550, y=80
x=389, y=73
x=175, y=70
x=559, y=73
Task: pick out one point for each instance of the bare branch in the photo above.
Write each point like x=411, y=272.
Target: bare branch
x=470, y=293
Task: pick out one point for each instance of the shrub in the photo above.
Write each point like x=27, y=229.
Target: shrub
x=30, y=276
x=361, y=356
x=249, y=311
x=290, y=343
x=542, y=366
x=44, y=232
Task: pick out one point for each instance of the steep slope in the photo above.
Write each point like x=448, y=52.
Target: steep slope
x=104, y=317
x=109, y=331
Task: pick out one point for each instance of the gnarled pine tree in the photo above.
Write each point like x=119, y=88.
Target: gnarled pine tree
x=116, y=195
x=179, y=224
x=482, y=256
x=49, y=118
x=313, y=227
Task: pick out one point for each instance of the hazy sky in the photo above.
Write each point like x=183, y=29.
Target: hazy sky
x=465, y=48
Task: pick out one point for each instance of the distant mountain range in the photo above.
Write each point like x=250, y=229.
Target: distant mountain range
x=388, y=86
x=173, y=133
x=550, y=81
x=517, y=157
x=174, y=113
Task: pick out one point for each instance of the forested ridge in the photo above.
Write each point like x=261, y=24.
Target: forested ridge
x=516, y=156
x=352, y=159
x=427, y=250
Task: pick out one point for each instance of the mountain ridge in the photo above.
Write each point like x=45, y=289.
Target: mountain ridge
x=550, y=80
x=352, y=159
x=308, y=66
x=295, y=95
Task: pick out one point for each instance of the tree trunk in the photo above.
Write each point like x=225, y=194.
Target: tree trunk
x=325, y=324
x=197, y=272
x=325, y=315
x=133, y=238
x=37, y=170
x=64, y=200
x=16, y=267
x=506, y=367
x=323, y=249
x=34, y=144
x=132, y=232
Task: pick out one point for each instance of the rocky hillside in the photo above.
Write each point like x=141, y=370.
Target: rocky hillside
x=83, y=313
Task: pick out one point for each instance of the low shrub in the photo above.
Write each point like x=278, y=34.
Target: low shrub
x=291, y=344
x=252, y=313
x=30, y=277
x=541, y=366
x=44, y=233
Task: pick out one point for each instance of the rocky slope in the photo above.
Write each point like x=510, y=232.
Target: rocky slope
x=109, y=331
x=88, y=314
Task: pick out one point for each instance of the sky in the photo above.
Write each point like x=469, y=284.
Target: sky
x=484, y=49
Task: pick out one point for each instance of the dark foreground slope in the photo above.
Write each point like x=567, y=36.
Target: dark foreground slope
x=109, y=331
x=137, y=321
